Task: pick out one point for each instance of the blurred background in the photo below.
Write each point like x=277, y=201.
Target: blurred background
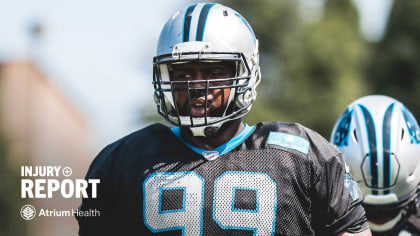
x=76, y=75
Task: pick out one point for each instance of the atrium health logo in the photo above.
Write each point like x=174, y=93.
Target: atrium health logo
x=28, y=212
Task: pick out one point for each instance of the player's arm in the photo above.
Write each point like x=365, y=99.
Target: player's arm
x=99, y=224
x=338, y=200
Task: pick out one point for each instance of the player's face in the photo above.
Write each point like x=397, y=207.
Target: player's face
x=194, y=102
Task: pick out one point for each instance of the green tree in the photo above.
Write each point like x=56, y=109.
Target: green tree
x=311, y=71
x=11, y=223
x=394, y=67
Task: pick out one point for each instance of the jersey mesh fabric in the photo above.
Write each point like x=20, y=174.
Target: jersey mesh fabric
x=292, y=176
x=256, y=189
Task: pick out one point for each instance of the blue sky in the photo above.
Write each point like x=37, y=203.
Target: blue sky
x=99, y=52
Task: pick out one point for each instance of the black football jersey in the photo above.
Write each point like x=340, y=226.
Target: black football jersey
x=271, y=179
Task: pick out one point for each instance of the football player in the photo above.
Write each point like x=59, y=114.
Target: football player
x=380, y=140
x=211, y=174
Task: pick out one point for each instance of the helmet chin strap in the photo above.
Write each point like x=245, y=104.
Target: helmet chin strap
x=201, y=131
x=385, y=226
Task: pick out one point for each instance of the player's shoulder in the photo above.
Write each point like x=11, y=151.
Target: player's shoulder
x=141, y=142
x=295, y=137
x=152, y=134
x=264, y=128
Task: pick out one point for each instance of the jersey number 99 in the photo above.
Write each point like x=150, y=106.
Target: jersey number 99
x=188, y=217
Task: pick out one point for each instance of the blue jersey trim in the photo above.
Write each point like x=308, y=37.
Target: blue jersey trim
x=222, y=149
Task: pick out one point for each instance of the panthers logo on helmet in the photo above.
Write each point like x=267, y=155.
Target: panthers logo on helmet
x=342, y=132
x=412, y=126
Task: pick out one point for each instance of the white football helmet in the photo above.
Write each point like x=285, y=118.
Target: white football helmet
x=380, y=140
x=206, y=32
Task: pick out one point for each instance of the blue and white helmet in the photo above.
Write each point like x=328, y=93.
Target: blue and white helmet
x=380, y=140
x=212, y=33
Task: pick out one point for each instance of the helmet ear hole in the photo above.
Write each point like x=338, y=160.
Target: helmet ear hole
x=402, y=133
x=355, y=136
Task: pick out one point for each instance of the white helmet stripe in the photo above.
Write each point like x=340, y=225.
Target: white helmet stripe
x=202, y=21
x=386, y=140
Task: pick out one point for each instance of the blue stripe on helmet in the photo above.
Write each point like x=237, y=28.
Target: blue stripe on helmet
x=187, y=23
x=202, y=21
x=373, y=156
